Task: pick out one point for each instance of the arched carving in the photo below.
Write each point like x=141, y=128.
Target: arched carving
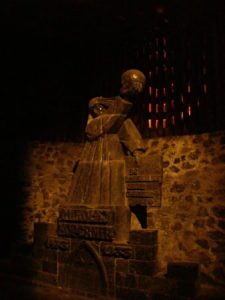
x=85, y=270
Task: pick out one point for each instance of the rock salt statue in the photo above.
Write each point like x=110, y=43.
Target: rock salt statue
x=99, y=177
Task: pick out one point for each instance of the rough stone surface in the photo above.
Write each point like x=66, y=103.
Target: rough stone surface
x=49, y=170
x=190, y=221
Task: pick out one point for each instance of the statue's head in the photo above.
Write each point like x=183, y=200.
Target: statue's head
x=133, y=82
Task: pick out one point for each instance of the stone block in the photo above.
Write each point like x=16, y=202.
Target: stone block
x=219, y=211
x=120, y=279
x=82, y=277
x=63, y=257
x=141, y=267
x=143, y=237
x=84, y=231
x=42, y=231
x=144, y=282
x=131, y=294
x=116, y=250
x=187, y=288
x=154, y=201
x=161, y=296
x=50, y=255
x=49, y=267
x=74, y=244
x=122, y=224
x=183, y=271
x=159, y=286
x=122, y=265
x=55, y=243
x=38, y=252
x=109, y=264
x=126, y=280
x=177, y=188
x=145, y=252
x=142, y=194
x=47, y=277
x=131, y=280
x=203, y=243
x=216, y=235
x=221, y=224
x=84, y=215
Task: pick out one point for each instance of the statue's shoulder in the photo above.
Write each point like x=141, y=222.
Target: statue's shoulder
x=108, y=101
x=113, y=104
x=94, y=101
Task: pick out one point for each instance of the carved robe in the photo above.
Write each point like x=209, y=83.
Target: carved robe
x=99, y=178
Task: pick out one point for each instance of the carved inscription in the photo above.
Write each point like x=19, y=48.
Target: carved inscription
x=143, y=185
x=116, y=250
x=142, y=178
x=144, y=190
x=91, y=232
x=57, y=244
x=142, y=194
x=93, y=216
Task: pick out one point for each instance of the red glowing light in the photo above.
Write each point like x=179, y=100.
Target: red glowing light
x=172, y=87
x=182, y=115
x=149, y=123
x=164, y=123
x=164, y=54
x=156, y=123
x=189, y=88
x=156, y=92
x=164, y=107
x=150, y=90
x=150, y=107
x=189, y=110
x=157, y=108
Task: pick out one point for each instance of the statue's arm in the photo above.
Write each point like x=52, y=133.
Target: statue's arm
x=106, y=123
x=131, y=138
x=93, y=128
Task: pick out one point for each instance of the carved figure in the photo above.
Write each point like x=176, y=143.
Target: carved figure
x=99, y=178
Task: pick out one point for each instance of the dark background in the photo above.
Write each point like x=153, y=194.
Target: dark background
x=56, y=55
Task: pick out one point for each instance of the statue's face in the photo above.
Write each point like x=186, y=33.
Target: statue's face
x=133, y=87
x=137, y=86
x=133, y=82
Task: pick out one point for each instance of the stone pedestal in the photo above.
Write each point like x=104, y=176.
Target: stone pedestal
x=93, y=254
x=92, y=250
